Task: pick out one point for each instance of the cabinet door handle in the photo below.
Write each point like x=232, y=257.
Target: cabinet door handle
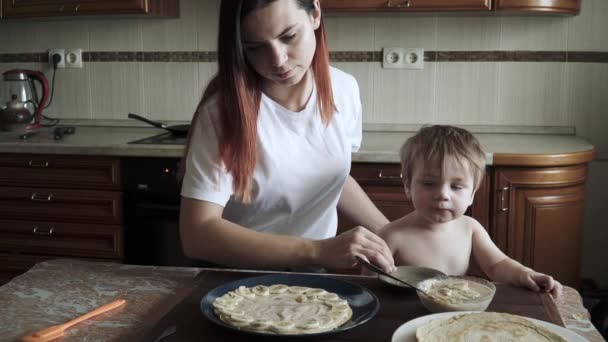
x=503, y=191
x=398, y=3
x=33, y=163
x=76, y=8
x=381, y=176
x=37, y=198
x=39, y=231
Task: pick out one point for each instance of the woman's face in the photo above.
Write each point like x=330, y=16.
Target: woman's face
x=279, y=40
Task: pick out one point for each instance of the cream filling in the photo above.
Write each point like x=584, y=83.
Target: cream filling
x=456, y=291
x=282, y=309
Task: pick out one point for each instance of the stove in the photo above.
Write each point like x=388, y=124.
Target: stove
x=162, y=139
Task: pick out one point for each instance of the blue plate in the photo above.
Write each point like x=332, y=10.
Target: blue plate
x=363, y=302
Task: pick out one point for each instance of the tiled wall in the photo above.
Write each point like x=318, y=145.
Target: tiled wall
x=520, y=93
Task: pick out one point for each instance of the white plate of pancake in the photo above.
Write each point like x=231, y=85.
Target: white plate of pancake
x=407, y=331
x=364, y=303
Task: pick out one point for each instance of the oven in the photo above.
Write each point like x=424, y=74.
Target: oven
x=151, y=212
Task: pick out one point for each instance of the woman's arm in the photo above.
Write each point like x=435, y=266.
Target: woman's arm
x=357, y=207
x=206, y=235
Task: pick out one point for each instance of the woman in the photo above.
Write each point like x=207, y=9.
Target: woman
x=270, y=147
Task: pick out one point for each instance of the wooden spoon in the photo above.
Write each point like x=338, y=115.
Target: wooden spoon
x=55, y=331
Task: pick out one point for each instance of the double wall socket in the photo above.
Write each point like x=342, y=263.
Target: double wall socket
x=70, y=58
x=398, y=58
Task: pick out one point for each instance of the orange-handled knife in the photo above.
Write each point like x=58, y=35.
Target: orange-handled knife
x=55, y=331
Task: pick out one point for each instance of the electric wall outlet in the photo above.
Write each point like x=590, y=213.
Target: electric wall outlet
x=399, y=58
x=61, y=53
x=73, y=58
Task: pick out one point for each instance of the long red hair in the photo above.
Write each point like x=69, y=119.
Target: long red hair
x=239, y=89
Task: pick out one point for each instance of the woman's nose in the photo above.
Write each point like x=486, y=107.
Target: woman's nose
x=279, y=56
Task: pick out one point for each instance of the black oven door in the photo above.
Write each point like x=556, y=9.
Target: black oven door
x=151, y=213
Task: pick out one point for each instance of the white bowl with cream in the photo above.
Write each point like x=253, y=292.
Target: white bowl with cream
x=456, y=293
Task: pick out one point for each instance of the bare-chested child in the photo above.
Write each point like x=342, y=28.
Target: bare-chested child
x=442, y=168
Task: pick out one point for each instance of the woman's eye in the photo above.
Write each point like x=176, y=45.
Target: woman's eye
x=427, y=183
x=252, y=48
x=288, y=38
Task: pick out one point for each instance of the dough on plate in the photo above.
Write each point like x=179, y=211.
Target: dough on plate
x=282, y=309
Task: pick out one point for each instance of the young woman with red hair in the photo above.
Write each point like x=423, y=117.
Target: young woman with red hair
x=269, y=151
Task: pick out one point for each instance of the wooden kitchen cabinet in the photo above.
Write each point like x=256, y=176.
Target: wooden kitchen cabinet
x=549, y=6
x=58, y=206
x=49, y=8
x=404, y=5
x=540, y=6
x=538, y=217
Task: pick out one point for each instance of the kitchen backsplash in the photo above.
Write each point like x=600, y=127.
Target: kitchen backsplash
x=479, y=70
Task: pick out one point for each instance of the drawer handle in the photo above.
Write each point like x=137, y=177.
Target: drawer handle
x=381, y=176
x=76, y=8
x=37, y=198
x=503, y=191
x=398, y=4
x=38, y=231
x=33, y=163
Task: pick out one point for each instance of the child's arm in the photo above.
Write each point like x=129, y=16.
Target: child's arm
x=501, y=268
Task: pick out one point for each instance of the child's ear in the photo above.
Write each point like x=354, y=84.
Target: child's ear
x=406, y=188
x=472, y=197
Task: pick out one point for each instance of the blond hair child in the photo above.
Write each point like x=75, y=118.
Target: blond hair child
x=442, y=168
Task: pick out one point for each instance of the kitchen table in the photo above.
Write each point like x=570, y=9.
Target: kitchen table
x=161, y=299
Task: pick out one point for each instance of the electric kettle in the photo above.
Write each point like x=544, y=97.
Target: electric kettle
x=21, y=107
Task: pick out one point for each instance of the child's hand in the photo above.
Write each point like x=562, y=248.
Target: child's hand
x=541, y=282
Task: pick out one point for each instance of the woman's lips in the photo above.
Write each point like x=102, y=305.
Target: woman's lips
x=285, y=75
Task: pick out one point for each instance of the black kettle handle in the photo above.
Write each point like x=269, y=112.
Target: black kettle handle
x=141, y=118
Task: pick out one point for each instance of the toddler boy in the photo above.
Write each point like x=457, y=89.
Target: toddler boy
x=442, y=168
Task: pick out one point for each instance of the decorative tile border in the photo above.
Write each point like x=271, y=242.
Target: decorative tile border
x=335, y=56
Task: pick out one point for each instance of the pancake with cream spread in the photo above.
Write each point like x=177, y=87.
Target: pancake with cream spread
x=282, y=309
x=487, y=327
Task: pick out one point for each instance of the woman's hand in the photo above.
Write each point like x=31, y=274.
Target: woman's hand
x=536, y=281
x=339, y=252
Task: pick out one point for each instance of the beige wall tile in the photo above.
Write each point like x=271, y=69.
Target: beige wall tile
x=364, y=73
x=72, y=98
x=589, y=103
x=404, y=95
x=532, y=94
x=535, y=33
x=115, y=35
x=117, y=89
x=595, y=238
x=206, y=71
x=207, y=22
x=173, y=34
x=588, y=30
x=466, y=93
x=468, y=33
x=38, y=36
x=350, y=33
x=171, y=90
x=410, y=32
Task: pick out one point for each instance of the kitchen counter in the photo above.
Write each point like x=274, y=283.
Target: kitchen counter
x=55, y=291
x=532, y=149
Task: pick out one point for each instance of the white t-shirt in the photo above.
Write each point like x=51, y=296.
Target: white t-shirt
x=301, y=167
